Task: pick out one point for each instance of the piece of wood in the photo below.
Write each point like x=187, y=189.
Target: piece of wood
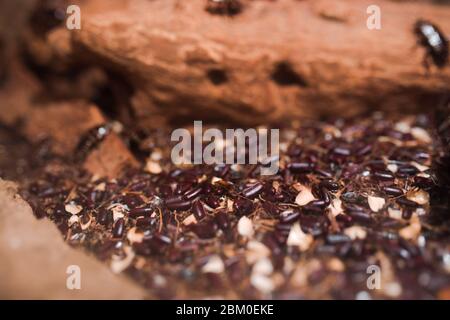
x=277, y=60
x=109, y=158
x=63, y=123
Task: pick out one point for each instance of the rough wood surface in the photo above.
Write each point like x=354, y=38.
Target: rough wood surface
x=63, y=123
x=277, y=60
x=109, y=158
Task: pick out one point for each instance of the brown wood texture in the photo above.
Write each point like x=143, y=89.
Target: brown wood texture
x=277, y=60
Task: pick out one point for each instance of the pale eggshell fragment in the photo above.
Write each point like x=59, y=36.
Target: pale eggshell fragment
x=412, y=231
x=336, y=207
x=214, y=265
x=73, y=219
x=100, y=187
x=245, y=227
x=263, y=266
x=305, y=196
x=118, y=210
x=376, y=203
x=355, y=232
x=156, y=155
x=403, y=127
x=393, y=289
x=134, y=236
x=153, y=167
x=298, y=238
x=418, y=196
x=118, y=265
x=392, y=167
x=73, y=208
x=421, y=134
x=419, y=166
x=262, y=283
x=189, y=220
x=395, y=213
x=255, y=251
x=215, y=180
x=335, y=264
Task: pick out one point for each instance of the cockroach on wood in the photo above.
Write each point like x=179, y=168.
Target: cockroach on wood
x=91, y=140
x=433, y=40
x=224, y=7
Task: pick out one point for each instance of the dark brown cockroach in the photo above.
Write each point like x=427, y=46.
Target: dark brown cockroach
x=433, y=40
x=224, y=7
x=91, y=140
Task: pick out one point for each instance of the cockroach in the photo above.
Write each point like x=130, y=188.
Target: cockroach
x=224, y=7
x=433, y=40
x=90, y=140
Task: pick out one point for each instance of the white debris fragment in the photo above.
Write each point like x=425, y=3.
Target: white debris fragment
x=153, y=167
x=117, y=127
x=73, y=219
x=421, y=241
x=336, y=207
x=73, y=208
x=304, y=196
x=118, y=210
x=403, y=127
x=159, y=280
x=255, y=251
x=423, y=174
x=418, y=196
x=298, y=238
x=215, y=180
x=419, y=166
x=118, y=264
x=393, y=289
x=134, y=236
x=336, y=264
x=245, y=227
x=420, y=212
x=392, y=167
x=355, y=232
x=100, y=187
x=189, y=220
x=376, y=203
x=117, y=215
x=395, y=213
x=412, y=231
x=363, y=295
x=263, y=266
x=214, y=265
x=421, y=134
x=156, y=155
x=262, y=283
x=446, y=262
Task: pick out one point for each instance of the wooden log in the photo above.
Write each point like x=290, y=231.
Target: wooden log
x=276, y=60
